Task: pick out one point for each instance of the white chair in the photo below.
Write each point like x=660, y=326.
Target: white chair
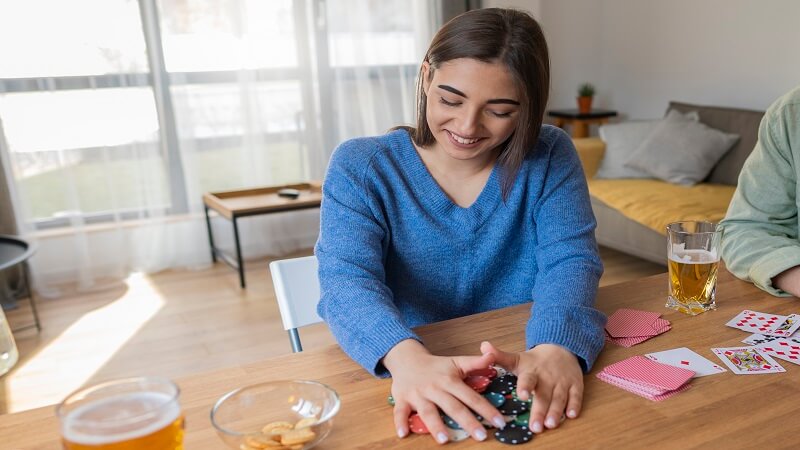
x=297, y=290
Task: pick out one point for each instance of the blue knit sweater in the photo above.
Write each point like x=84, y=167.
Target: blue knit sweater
x=395, y=252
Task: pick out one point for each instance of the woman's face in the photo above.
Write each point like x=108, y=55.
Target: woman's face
x=472, y=107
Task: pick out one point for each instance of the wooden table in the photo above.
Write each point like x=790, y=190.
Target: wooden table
x=251, y=202
x=725, y=411
x=580, y=121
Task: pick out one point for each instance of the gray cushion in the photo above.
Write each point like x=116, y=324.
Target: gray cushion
x=730, y=120
x=680, y=150
x=621, y=140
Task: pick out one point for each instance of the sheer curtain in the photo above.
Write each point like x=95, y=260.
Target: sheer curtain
x=118, y=114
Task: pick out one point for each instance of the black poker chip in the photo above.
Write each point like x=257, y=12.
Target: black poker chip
x=514, y=434
x=503, y=385
x=513, y=407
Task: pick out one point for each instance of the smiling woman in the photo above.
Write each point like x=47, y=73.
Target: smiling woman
x=477, y=207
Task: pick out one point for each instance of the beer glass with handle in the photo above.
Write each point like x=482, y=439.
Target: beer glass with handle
x=693, y=256
x=130, y=413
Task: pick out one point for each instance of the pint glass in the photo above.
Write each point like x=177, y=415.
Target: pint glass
x=131, y=413
x=693, y=253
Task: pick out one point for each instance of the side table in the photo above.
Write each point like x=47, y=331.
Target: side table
x=250, y=202
x=580, y=121
x=15, y=251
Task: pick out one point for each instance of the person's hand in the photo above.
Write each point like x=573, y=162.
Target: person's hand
x=423, y=382
x=552, y=373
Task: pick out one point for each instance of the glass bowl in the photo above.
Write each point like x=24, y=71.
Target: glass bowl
x=248, y=415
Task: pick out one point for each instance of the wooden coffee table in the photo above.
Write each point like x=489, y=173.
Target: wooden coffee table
x=233, y=205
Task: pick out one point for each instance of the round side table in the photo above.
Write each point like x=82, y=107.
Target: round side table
x=13, y=252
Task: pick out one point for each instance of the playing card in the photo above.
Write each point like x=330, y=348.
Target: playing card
x=786, y=349
x=757, y=339
x=631, y=322
x=788, y=326
x=763, y=323
x=747, y=360
x=687, y=359
x=638, y=389
x=644, y=371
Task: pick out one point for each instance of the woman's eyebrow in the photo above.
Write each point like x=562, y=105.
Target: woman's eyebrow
x=492, y=101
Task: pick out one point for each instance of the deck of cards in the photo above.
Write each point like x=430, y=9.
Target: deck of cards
x=646, y=378
x=628, y=327
x=771, y=338
x=765, y=324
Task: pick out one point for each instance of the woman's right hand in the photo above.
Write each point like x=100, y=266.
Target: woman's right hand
x=425, y=383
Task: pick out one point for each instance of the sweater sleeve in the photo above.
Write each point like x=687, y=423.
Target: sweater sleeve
x=565, y=288
x=760, y=235
x=355, y=300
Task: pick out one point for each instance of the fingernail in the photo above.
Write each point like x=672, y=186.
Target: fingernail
x=537, y=427
x=523, y=394
x=401, y=433
x=550, y=422
x=480, y=434
x=499, y=422
x=572, y=414
x=442, y=438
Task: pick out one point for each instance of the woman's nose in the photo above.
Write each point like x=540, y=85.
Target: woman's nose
x=468, y=124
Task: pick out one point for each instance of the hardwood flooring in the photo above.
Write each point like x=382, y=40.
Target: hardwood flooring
x=173, y=324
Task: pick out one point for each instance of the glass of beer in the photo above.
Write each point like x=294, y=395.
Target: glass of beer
x=693, y=252
x=131, y=413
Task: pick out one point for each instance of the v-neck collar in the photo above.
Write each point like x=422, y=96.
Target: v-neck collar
x=433, y=196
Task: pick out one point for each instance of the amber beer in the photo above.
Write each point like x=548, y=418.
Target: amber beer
x=693, y=279
x=146, y=416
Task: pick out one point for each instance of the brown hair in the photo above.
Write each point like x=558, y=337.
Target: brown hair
x=490, y=35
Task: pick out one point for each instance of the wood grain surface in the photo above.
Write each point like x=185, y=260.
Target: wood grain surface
x=724, y=411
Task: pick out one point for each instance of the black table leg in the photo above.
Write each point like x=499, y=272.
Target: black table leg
x=210, y=236
x=30, y=296
x=239, y=260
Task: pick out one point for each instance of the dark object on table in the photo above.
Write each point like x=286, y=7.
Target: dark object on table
x=580, y=121
x=14, y=251
x=289, y=193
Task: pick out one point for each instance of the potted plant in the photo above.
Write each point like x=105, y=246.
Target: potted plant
x=585, y=95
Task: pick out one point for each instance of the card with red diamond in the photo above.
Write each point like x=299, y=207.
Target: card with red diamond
x=687, y=359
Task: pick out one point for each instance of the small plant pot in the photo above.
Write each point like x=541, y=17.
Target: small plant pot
x=584, y=105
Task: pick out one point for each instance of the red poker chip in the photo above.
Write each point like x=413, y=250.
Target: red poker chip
x=489, y=372
x=416, y=425
x=477, y=382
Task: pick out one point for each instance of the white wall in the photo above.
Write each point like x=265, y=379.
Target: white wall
x=640, y=54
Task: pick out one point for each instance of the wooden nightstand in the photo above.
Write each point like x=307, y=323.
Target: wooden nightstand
x=580, y=121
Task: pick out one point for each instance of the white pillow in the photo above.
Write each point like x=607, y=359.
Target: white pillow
x=621, y=140
x=681, y=150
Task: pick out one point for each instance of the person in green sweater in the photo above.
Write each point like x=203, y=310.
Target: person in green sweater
x=761, y=239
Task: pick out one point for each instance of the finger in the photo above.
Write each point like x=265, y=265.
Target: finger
x=476, y=402
x=465, y=364
x=526, y=383
x=505, y=359
x=557, y=403
x=456, y=408
x=575, y=401
x=541, y=403
x=401, y=412
x=433, y=421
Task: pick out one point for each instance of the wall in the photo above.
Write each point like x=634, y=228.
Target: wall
x=641, y=54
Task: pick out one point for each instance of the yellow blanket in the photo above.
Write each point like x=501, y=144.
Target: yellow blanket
x=655, y=203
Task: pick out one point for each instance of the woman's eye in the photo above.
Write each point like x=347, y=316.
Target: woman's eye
x=499, y=114
x=445, y=102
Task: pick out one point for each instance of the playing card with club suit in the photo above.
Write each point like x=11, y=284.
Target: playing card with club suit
x=747, y=360
x=758, y=339
x=783, y=348
x=762, y=323
x=687, y=359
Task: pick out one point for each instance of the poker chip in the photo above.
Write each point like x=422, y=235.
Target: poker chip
x=489, y=372
x=503, y=385
x=390, y=400
x=500, y=371
x=513, y=406
x=416, y=425
x=514, y=434
x=477, y=382
x=457, y=435
x=523, y=419
x=450, y=422
x=494, y=398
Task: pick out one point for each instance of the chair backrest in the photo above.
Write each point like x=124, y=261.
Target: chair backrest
x=297, y=290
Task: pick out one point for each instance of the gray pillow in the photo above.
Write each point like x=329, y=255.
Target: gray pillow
x=680, y=150
x=621, y=140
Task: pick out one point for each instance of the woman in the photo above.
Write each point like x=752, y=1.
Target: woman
x=476, y=208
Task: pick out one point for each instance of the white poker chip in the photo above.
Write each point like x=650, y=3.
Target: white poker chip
x=457, y=435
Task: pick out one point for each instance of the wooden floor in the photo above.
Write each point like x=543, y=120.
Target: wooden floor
x=172, y=324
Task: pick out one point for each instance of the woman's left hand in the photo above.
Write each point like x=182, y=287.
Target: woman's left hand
x=554, y=376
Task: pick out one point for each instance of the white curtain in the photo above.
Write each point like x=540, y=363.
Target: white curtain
x=118, y=114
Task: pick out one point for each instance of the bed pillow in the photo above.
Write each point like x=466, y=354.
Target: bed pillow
x=681, y=150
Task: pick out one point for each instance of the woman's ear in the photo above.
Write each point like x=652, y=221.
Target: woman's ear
x=426, y=72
